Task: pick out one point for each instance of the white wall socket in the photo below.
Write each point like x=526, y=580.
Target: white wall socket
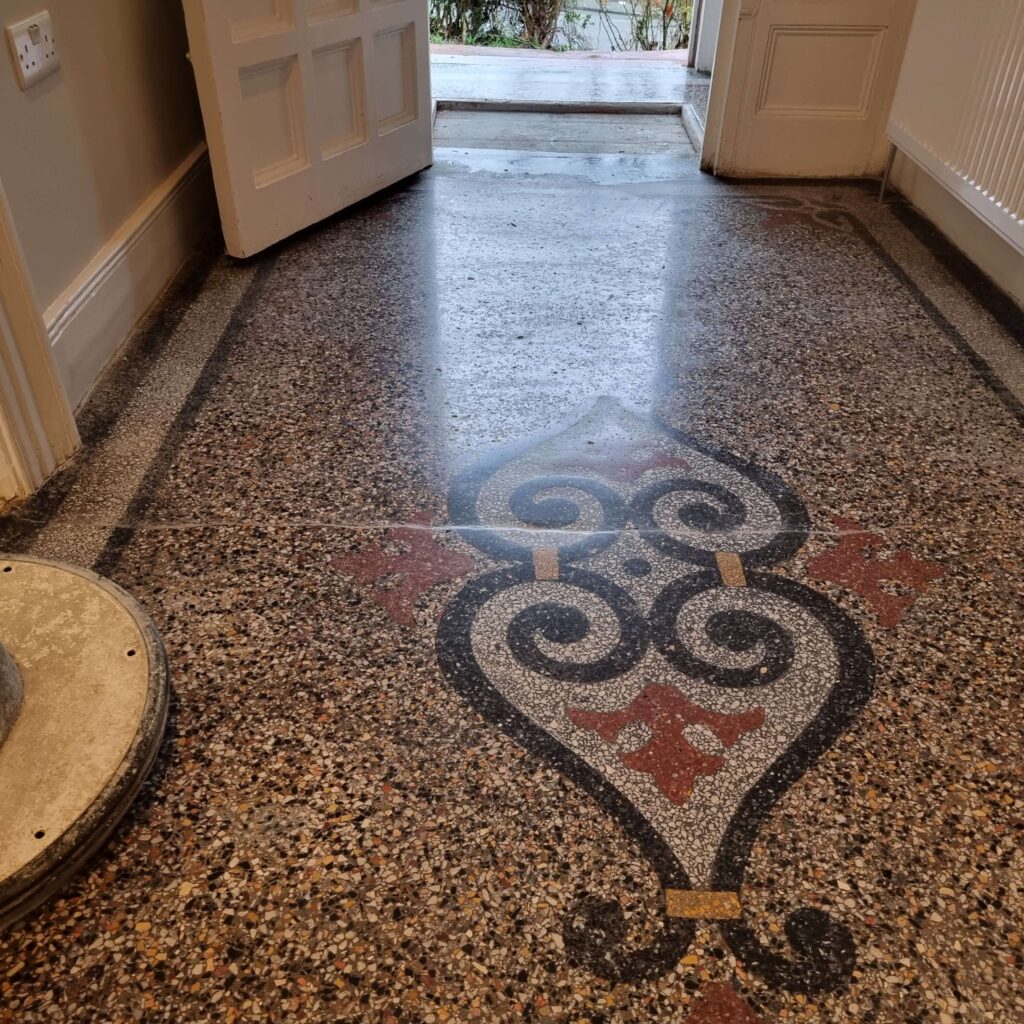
x=33, y=48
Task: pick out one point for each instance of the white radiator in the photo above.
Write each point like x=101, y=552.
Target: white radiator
x=959, y=105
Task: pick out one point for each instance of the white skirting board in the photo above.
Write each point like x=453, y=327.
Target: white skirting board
x=94, y=316
x=983, y=245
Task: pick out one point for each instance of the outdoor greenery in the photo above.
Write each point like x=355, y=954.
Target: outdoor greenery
x=651, y=25
x=502, y=22
x=560, y=24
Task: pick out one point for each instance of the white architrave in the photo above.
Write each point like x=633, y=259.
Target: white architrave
x=37, y=426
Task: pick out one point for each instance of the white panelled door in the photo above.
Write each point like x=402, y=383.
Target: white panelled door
x=802, y=88
x=309, y=106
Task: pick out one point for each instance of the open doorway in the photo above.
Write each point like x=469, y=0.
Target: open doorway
x=568, y=76
x=303, y=121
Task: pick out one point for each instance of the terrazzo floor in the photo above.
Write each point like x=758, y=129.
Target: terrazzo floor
x=592, y=594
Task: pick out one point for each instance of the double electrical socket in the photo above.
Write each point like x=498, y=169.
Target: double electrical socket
x=34, y=48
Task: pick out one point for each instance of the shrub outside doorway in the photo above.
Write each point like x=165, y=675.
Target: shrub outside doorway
x=593, y=25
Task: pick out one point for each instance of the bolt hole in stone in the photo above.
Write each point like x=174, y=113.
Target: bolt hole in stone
x=8, y=568
x=41, y=834
x=131, y=653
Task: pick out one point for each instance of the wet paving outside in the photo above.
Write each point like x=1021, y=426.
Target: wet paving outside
x=592, y=594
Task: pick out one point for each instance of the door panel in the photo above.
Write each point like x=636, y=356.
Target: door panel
x=808, y=86
x=309, y=106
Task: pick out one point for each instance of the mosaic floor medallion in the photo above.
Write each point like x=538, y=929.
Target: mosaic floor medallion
x=635, y=636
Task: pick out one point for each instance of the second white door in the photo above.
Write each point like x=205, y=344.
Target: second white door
x=802, y=88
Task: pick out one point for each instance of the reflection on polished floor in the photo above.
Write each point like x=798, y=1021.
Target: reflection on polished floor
x=592, y=593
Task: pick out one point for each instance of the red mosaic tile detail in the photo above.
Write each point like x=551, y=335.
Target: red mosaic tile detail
x=668, y=757
x=854, y=565
x=721, y=1005
x=785, y=211
x=423, y=564
x=778, y=219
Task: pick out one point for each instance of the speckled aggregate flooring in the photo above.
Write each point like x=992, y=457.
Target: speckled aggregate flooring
x=591, y=596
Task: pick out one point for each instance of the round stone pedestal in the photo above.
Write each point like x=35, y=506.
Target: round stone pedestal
x=11, y=693
x=95, y=691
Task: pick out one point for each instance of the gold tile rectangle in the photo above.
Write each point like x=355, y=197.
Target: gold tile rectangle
x=731, y=568
x=707, y=906
x=545, y=564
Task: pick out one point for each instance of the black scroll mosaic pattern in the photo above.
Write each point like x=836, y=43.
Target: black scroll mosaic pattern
x=636, y=629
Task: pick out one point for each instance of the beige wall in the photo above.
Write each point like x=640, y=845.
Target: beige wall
x=82, y=149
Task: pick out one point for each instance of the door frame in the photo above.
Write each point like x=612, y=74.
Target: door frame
x=732, y=52
x=37, y=425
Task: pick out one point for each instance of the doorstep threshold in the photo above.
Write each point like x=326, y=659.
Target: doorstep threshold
x=558, y=106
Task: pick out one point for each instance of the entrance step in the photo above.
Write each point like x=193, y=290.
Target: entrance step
x=569, y=132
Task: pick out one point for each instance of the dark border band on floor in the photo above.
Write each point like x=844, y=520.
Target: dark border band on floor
x=963, y=269
x=976, y=361
x=209, y=376
x=99, y=413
